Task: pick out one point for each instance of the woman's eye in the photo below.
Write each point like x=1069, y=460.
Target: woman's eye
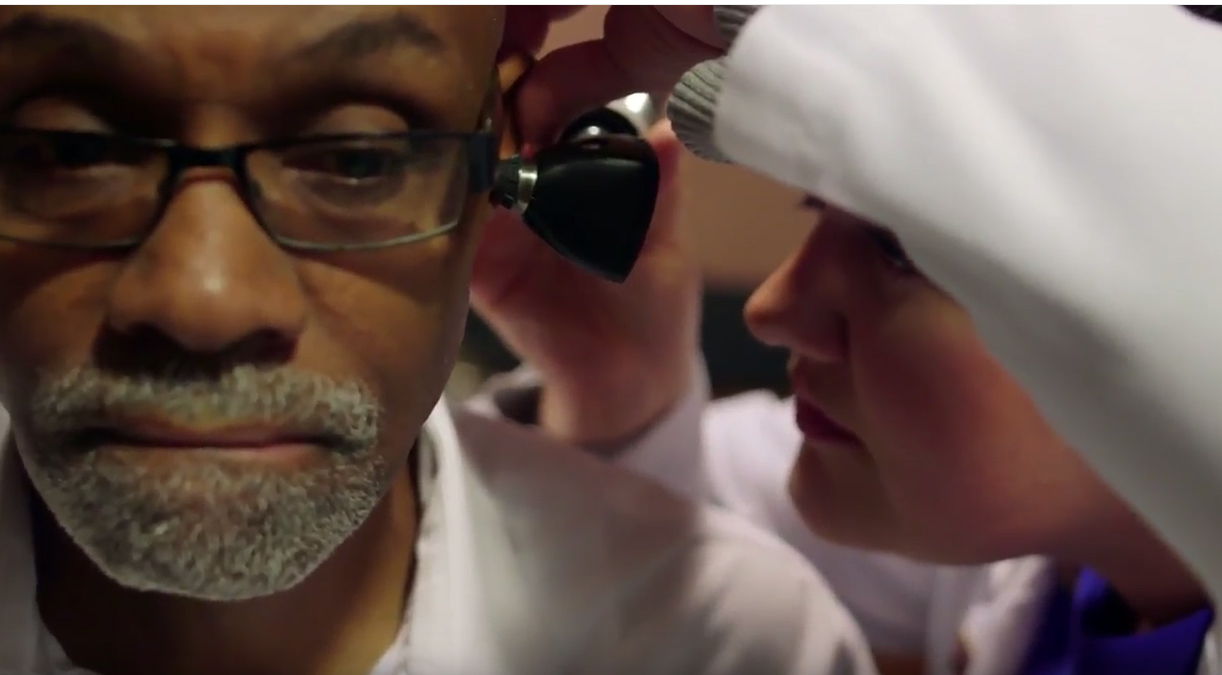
x=884, y=240
x=891, y=249
x=812, y=203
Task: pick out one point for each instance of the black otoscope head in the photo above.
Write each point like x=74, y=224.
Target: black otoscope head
x=591, y=196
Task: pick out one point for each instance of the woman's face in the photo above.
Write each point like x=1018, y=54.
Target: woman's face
x=916, y=440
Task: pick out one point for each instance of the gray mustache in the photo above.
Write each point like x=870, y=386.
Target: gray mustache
x=296, y=401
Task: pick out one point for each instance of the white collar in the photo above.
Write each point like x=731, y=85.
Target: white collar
x=19, y=621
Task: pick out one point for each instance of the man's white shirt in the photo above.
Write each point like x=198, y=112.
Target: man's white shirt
x=535, y=559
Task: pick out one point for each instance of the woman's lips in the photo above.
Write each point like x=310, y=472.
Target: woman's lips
x=817, y=426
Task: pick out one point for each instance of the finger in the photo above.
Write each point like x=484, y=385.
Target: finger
x=527, y=26
x=565, y=84
x=667, y=147
x=505, y=255
x=561, y=12
x=697, y=21
x=669, y=150
x=640, y=51
x=526, y=29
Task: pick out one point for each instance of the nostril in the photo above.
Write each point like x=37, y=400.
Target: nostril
x=264, y=346
x=146, y=349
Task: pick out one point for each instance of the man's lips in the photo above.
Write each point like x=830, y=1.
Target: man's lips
x=152, y=434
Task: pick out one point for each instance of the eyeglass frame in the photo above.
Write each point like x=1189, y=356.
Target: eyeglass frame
x=482, y=148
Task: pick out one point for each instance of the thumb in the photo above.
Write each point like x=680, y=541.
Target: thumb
x=527, y=26
x=669, y=150
x=664, y=228
x=641, y=50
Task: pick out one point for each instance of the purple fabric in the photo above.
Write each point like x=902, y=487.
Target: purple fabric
x=1089, y=632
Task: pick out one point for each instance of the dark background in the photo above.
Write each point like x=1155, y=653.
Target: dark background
x=736, y=361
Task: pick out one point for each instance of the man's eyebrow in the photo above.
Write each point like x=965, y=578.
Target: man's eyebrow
x=35, y=32
x=366, y=37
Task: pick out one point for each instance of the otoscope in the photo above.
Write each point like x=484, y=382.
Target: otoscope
x=591, y=195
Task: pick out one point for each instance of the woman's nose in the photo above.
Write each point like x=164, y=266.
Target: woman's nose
x=792, y=309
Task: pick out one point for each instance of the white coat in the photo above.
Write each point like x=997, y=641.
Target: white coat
x=1056, y=169
x=738, y=453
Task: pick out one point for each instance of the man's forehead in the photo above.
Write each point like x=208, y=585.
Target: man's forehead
x=440, y=57
x=466, y=33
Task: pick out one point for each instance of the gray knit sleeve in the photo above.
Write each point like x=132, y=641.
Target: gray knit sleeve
x=694, y=99
x=731, y=18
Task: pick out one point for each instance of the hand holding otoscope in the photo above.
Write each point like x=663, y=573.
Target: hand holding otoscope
x=583, y=332
x=591, y=195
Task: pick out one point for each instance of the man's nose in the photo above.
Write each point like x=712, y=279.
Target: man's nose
x=795, y=308
x=209, y=278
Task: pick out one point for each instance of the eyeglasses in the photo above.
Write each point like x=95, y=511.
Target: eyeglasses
x=322, y=193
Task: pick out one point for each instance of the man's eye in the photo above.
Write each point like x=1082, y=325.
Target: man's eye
x=66, y=153
x=360, y=164
x=52, y=160
x=76, y=154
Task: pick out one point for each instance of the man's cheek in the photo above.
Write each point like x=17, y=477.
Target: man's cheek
x=52, y=328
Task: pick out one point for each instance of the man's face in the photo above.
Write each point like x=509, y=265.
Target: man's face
x=209, y=413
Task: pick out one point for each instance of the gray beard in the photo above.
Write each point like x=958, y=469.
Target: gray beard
x=204, y=526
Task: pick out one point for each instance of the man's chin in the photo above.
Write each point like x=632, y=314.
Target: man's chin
x=207, y=544
x=219, y=585
x=208, y=525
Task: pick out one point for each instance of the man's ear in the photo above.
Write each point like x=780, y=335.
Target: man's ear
x=509, y=72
